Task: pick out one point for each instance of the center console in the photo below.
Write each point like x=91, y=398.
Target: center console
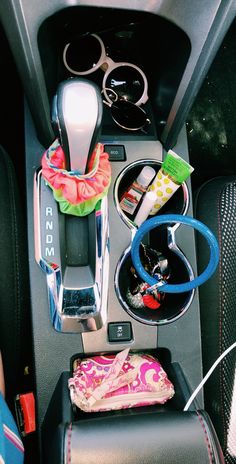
x=174, y=51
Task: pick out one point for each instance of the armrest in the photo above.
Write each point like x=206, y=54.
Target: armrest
x=138, y=437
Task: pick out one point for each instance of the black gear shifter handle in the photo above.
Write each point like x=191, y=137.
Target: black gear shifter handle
x=76, y=117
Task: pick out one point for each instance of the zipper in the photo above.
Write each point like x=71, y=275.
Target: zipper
x=130, y=399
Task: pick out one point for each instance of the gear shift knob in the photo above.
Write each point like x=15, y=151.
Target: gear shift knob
x=76, y=117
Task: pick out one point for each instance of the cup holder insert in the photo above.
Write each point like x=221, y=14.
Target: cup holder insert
x=177, y=204
x=172, y=306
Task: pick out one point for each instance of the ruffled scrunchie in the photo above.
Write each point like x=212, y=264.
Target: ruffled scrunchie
x=77, y=194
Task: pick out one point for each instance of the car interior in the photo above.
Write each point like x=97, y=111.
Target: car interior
x=100, y=100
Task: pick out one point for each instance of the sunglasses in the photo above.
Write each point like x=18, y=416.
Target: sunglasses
x=125, y=114
x=87, y=54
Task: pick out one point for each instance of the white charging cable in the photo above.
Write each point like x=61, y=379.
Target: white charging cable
x=197, y=390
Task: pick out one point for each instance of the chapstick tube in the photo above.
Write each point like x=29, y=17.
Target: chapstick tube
x=173, y=172
x=148, y=202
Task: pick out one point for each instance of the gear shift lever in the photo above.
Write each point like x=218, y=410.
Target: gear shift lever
x=76, y=117
x=74, y=251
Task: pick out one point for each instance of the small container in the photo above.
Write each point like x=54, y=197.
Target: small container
x=133, y=195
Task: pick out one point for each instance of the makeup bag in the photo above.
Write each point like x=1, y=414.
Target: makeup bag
x=104, y=383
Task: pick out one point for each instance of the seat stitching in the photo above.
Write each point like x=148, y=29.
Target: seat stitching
x=207, y=441
x=221, y=344
x=69, y=444
x=15, y=247
x=219, y=199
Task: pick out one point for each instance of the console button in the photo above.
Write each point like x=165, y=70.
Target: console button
x=115, y=152
x=120, y=332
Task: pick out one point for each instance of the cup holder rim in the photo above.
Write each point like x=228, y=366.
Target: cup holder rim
x=121, y=213
x=129, y=310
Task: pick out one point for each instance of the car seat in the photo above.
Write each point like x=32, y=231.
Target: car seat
x=14, y=295
x=216, y=206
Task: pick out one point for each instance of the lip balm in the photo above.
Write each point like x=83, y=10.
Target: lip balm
x=148, y=203
x=173, y=172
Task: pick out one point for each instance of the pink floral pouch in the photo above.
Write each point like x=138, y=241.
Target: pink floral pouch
x=104, y=383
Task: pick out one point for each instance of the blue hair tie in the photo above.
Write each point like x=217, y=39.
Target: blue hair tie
x=173, y=219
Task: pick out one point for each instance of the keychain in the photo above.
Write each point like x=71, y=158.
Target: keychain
x=156, y=265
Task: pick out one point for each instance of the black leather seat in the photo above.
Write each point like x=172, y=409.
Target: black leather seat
x=14, y=295
x=142, y=439
x=134, y=436
x=216, y=206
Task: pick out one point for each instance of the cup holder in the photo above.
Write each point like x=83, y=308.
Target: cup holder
x=173, y=306
x=177, y=204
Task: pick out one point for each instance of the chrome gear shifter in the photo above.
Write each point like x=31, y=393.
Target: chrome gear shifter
x=76, y=117
x=74, y=251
